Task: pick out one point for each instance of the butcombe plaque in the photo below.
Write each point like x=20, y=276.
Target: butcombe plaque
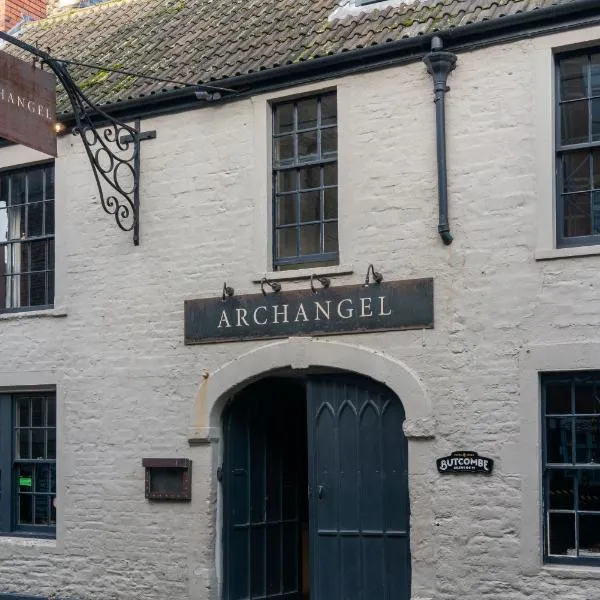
x=385, y=306
x=465, y=461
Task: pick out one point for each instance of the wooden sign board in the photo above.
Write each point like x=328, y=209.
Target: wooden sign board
x=27, y=104
x=393, y=305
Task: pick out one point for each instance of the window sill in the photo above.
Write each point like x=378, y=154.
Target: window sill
x=572, y=572
x=34, y=314
x=554, y=253
x=43, y=543
x=301, y=274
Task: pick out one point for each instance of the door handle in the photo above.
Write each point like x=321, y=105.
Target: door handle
x=320, y=491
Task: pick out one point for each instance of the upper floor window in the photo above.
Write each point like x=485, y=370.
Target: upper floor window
x=305, y=182
x=571, y=466
x=578, y=149
x=28, y=463
x=27, y=237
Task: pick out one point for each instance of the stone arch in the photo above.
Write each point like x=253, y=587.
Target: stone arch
x=302, y=353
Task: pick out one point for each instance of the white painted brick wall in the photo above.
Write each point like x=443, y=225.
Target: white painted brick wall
x=127, y=383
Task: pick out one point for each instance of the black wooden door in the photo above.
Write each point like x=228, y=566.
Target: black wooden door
x=264, y=491
x=358, y=500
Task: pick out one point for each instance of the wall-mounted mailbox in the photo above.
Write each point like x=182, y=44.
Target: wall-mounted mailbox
x=168, y=478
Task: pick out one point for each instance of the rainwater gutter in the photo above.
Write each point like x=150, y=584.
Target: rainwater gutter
x=439, y=65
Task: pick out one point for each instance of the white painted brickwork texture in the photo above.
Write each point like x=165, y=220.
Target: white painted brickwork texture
x=126, y=382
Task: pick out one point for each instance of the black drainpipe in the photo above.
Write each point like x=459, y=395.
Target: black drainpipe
x=439, y=64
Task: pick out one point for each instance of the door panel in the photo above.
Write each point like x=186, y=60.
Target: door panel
x=358, y=491
x=264, y=491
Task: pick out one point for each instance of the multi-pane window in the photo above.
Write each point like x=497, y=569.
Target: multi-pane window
x=305, y=182
x=28, y=463
x=27, y=237
x=578, y=149
x=571, y=466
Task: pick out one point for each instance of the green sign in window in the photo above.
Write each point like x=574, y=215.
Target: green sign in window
x=25, y=481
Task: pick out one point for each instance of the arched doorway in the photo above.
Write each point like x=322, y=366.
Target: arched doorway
x=315, y=491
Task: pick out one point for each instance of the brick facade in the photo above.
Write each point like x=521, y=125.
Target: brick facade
x=13, y=11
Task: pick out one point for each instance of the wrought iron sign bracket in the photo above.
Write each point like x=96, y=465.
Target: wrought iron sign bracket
x=112, y=146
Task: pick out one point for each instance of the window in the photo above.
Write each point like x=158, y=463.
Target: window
x=28, y=463
x=305, y=186
x=571, y=467
x=578, y=149
x=27, y=238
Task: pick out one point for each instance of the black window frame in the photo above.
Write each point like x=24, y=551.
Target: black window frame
x=574, y=468
x=561, y=150
x=304, y=260
x=9, y=463
x=49, y=269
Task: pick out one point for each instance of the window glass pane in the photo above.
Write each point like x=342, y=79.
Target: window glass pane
x=3, y=222
x=307, y=146
x=331, y=237
x=331, y=200
x=23, y=412
x=17, y=189
x=51, y=409
x=23, y=443
x=559, y=440
x=35, y=185
x=284, y=118
x=573, y=73
x=35, y=219
x=330, y=174
x=586, y=439
x=589, y=535
x=596, y=120
x=50, y=283
x=576, y=171
x=49, y=218
x=286, y=181
x=37, y=412
x=561, y=534
x=38, y=289
x=37, y=253
x=286, y=209
x=43, y=478
x=310, y=206
x=561, y=489
x=51, y=444
x=25, y=509
x=577, y=215
x=328, y=110
x=307, y=113
x=16, y=222
x=329, y=141
x=286, y=242
x=42, y=509
x=310, y=239
x=589, y=490
x=310, y=177
x=38, y=444
x=586, y=398
x=558, y=397
x=49, y=181
x=284, y=149
x=574, y=122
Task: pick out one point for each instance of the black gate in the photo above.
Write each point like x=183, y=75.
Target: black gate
x=352, y=468
x=358, y=473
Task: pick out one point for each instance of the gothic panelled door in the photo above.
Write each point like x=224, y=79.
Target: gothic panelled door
x=315, y=492
x=358, y=479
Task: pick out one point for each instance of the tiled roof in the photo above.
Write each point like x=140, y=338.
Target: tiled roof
x=199, y=41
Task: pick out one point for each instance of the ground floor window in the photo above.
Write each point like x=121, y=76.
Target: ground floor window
x=571, y=466
x=28, y=463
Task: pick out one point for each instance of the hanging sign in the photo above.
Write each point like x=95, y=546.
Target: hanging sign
x=27, y=104
x=465, y=461
x=383, y=306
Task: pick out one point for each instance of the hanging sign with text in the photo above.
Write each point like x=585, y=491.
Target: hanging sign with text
x=386, y=306
x=27, y=104
x=465, y=461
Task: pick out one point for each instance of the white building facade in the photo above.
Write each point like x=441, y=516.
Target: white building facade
x=509, y=368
